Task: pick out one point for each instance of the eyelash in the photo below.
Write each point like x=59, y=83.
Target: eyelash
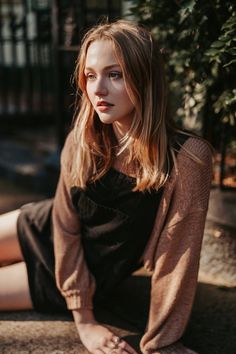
x=114, y=75
x=90, y=76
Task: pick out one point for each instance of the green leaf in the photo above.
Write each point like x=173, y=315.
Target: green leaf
x=231, y=51
x=224, y=38
x=231, y=120
x=230, y=63
x=210, y=52
x=189, y=5
x=217, y=44
x=231, y=32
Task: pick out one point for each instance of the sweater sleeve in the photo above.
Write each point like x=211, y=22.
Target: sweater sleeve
x=177, y=253
x=73, y=278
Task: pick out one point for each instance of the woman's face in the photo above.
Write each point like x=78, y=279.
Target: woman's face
x=106, y=87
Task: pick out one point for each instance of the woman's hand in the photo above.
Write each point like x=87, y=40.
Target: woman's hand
x=97, y=338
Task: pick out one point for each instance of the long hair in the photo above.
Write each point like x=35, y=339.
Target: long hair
x=148, y=140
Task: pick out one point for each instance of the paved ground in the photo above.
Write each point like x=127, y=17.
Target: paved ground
x=212, y=327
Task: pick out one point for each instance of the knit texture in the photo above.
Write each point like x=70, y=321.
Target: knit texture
x=172, y=253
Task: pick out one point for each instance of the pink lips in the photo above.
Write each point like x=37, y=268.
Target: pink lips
x=104, y=106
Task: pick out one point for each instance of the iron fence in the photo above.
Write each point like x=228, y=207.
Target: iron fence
x=26, y=88
x=39, y=42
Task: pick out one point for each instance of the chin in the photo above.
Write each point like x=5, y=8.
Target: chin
x=107, y=120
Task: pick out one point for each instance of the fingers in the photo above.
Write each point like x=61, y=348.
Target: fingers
x=119, y=346
x=99, y=339
x=115, y=342
x=127, y=347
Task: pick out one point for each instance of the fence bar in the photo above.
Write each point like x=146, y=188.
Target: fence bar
x=3, y=76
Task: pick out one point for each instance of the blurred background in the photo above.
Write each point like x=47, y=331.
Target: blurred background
x=39, y=44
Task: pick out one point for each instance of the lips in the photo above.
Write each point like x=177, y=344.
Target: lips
x=104, y=104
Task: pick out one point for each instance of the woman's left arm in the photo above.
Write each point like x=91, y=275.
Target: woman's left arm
x=177, y=252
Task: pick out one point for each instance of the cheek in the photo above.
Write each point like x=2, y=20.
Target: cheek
x=89, y=92
x=125, y=96
x=127, y=101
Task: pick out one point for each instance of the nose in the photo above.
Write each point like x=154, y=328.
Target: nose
x=101, y=87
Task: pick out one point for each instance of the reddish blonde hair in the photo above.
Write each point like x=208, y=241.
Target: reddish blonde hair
x=148, y=140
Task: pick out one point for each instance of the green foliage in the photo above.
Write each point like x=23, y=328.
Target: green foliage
x=199, y=42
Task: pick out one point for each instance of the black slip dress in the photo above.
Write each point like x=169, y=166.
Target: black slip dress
x=115, y=226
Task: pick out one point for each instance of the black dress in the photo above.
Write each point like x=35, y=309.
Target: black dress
x=116, y=225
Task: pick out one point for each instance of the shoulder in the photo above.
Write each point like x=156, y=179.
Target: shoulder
x=196, y=149
x=68, y=144
x=194, y=164
x=68, y=150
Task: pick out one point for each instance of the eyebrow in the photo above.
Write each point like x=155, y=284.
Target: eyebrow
x=105, y=68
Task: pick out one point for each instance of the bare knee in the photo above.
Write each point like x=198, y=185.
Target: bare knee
x=14, y=288
x=10, y=250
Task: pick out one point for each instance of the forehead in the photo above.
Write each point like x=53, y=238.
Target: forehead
x=101, y=53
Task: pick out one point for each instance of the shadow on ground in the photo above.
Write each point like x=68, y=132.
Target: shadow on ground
x=211, y=329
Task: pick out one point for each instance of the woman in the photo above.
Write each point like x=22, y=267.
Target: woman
x=133, y=191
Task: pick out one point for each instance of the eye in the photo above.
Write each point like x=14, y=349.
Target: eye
x=115, y=75
x=90, y=76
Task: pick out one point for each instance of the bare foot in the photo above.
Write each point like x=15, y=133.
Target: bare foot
x=99, y=339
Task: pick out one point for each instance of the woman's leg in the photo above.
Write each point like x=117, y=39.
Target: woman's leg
x=14, y=288
x=10, y=250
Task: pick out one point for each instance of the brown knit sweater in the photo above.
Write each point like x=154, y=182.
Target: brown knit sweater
x=172, y=253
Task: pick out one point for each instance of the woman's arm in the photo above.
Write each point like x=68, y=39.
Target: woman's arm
x=178, y=251
x=73, y=278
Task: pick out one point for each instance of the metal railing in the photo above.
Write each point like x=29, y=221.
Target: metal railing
x=39, y=42
x=26, y=87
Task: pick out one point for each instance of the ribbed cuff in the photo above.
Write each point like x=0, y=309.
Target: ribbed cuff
x=75, y=302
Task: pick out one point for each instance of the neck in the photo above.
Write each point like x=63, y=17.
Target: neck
x=120, y=164
x=120, y=130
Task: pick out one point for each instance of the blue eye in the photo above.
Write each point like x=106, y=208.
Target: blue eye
x=115, y=75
